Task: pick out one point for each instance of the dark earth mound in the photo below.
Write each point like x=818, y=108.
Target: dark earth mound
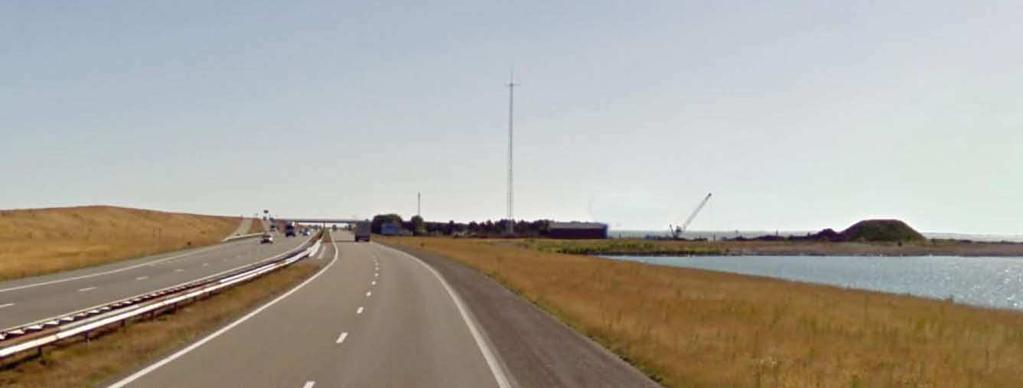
x=863, y=231
x=882, y=231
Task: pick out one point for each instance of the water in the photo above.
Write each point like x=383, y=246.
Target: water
x=982, y=281
x=715, y=235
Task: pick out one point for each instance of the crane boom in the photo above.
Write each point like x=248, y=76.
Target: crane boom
x=693, y=215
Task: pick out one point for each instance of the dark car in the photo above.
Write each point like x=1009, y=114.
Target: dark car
x=267, y=239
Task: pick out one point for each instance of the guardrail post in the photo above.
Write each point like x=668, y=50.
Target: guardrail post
x=174, y=301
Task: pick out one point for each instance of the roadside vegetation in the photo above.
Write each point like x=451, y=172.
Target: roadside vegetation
x=622, y=247
x=97, y=362
x=40, y=241
x=640, y=247
x=688, y=327
x=257, y=226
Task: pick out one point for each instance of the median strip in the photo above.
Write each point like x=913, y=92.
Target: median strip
x=120, y=351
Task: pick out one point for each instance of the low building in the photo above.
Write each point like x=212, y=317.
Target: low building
x=392, y=229
x=577, y=230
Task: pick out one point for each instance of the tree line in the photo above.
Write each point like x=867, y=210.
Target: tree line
x=484, y=229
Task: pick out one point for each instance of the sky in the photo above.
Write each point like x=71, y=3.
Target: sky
x=795, y=115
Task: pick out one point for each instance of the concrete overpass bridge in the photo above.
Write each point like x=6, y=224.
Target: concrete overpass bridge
x=321, y=221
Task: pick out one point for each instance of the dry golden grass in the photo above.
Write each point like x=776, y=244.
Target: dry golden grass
x=699, y=328
x=120, y=352
x=757, y=247
x=256, y=227
x=39, y=241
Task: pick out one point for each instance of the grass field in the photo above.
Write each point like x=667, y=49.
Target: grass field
x=623, y=247
x=120, y=352
x=755, y=247
x=39, y=241
x=697, y=328
x=256, y=227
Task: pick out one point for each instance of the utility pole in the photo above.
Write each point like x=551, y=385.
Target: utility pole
x=419, y=204
x=511, y=115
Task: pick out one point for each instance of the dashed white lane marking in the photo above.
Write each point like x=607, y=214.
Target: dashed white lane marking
x=373, y=283
x=368, y=293
x=179, y=270
x=359, y=311
x=142, y=278
x=86, y=289
x=6, y=305
x=309, y=384
x=205, y=264
x=122, y=269
x=204, y=340
x=376, y=274
x=341, y=338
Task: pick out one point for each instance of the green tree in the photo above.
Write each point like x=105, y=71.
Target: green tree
x=418, y=226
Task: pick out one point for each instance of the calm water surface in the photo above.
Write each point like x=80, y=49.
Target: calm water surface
x=983, y=281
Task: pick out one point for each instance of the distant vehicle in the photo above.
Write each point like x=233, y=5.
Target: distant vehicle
x=362, y=231
x=306, y=232
x=267, y=239
x=289, y=230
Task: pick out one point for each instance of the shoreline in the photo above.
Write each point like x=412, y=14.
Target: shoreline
x=641, y=247
x=955, y=299
x=695, y=327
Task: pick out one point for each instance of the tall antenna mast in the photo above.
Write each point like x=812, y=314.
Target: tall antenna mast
x=511, y=125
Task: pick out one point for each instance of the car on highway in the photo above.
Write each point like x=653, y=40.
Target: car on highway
x=267, y=239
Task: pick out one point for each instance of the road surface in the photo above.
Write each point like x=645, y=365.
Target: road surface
x=373, y=317
x=28, y=300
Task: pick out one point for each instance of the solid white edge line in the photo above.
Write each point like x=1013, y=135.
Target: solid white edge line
x=488, y=354
x=262, y=260
x=197, y=344
x=92, y=275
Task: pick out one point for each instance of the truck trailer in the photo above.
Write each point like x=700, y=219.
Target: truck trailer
x=362, y=231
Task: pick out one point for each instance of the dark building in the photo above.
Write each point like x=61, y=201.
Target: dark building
x=577, y=230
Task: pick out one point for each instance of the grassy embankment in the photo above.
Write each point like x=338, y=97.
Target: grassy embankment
x=122, y=351
x=256, y=227
x=697, y=328
x=754, y=247
x=623, y=247
x=40, y=241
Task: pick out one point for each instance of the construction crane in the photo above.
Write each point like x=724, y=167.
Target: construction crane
x=677, y=231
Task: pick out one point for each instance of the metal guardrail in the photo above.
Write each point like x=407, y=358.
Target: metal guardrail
x=36, y=335
x=241, y=236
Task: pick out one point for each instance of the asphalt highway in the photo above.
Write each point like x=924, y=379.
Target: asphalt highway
x=372, y=317
x=31, y=299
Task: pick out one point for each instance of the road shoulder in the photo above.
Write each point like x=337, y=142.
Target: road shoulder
x=537, y=349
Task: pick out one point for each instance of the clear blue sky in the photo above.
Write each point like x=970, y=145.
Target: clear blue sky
x=797, y=115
